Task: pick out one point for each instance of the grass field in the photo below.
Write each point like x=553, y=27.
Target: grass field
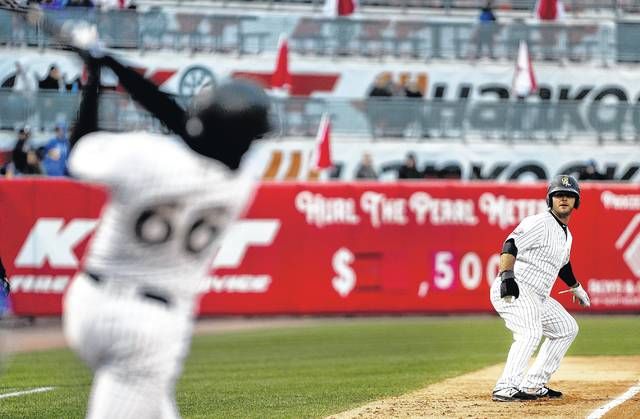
x=308, y=371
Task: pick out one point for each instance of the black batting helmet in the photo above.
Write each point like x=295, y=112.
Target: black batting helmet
x=223, y=120
x=564, y=183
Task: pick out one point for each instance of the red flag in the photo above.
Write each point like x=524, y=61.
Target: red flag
x=524, y=80
x=340, y=7
x=281, y=77
x=322, y=153
x=549, y=9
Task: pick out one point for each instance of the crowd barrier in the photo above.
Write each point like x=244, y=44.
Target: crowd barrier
x=595, y=41
x=505, y=120
x=575, y=7
x=341, y=248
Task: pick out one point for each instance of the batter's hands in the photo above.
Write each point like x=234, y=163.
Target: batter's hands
x=509, y=290
x=581, y=295
x=85, y=40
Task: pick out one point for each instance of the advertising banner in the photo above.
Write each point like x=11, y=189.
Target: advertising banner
x=320, y=77
x=291, y=160
x=340, y=247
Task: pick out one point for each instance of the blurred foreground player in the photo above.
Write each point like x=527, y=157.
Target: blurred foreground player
x=129, y=314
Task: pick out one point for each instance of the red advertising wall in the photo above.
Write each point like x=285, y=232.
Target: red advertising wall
x=313, y=248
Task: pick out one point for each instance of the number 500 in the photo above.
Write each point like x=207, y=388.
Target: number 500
x=469, y=270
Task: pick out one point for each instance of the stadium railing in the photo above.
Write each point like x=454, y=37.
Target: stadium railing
x=401, y=118
x=616, y=7
x=420, y=39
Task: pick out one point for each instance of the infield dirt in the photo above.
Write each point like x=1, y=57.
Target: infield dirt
x=587, y=382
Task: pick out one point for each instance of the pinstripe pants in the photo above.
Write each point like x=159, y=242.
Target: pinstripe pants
x=530, y=318
x=136, y=348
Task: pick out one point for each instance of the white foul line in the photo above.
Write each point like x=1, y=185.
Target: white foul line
x=599, y=412
x=22, y=393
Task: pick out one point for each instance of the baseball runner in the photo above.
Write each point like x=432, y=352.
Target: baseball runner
x=533, y=256
x=129, y=313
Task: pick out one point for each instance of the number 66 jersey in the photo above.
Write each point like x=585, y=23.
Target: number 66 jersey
x=166, y=213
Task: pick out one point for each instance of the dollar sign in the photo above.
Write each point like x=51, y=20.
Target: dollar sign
x=345, y=282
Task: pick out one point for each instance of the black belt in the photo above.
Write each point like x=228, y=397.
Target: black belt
x=152, y=295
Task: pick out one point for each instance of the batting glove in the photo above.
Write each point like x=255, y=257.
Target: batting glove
x=85, y=38
x=581, y=295
x=509, y=290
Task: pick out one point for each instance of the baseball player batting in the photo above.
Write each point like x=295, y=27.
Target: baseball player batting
x=533, y=256
x=129, y=313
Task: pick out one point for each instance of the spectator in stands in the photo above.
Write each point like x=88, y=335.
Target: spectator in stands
x=416, y=112
x=450, y=172
x=80, y=3
x=53, y=4
x=53, y=80
x=590, y=172
x=56, y=153
x=486, y=30
x=19, y=81
x=365, y=169
x=113, y=4
x=5, y=291
x=549, y=11
x=24, y=159
x=379, y=106
x=409, y=169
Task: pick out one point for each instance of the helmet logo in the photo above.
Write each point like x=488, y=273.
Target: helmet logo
x=564, y=180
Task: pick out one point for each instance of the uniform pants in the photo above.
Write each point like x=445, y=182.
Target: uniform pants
x=531, y=317
x=135, y=346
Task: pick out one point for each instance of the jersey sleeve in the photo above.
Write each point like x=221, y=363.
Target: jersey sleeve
x=528, y=234
x=567, y=257
x=98, y=157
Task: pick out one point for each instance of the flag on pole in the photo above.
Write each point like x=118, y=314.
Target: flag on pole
x=281, y=77
x=321, y=158
x=335, y=8
x=550, y=10
x=524, y=81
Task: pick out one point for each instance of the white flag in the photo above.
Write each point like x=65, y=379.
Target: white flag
x=524, y=81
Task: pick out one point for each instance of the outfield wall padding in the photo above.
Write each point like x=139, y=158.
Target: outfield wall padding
x=341, y=248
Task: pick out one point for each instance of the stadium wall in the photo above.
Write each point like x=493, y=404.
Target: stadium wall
x=352, y=77
x=341, y=248
x=518, y=160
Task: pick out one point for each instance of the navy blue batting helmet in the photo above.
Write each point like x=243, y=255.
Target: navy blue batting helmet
x=564, y=183
x=223, y=121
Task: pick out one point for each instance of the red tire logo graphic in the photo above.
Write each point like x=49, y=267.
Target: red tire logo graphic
x=629, y=243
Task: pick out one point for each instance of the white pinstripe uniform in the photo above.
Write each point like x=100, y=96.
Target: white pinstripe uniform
x=543, y=248
x=130, y=315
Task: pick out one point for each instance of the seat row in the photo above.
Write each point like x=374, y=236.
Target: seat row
x=420, y=39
